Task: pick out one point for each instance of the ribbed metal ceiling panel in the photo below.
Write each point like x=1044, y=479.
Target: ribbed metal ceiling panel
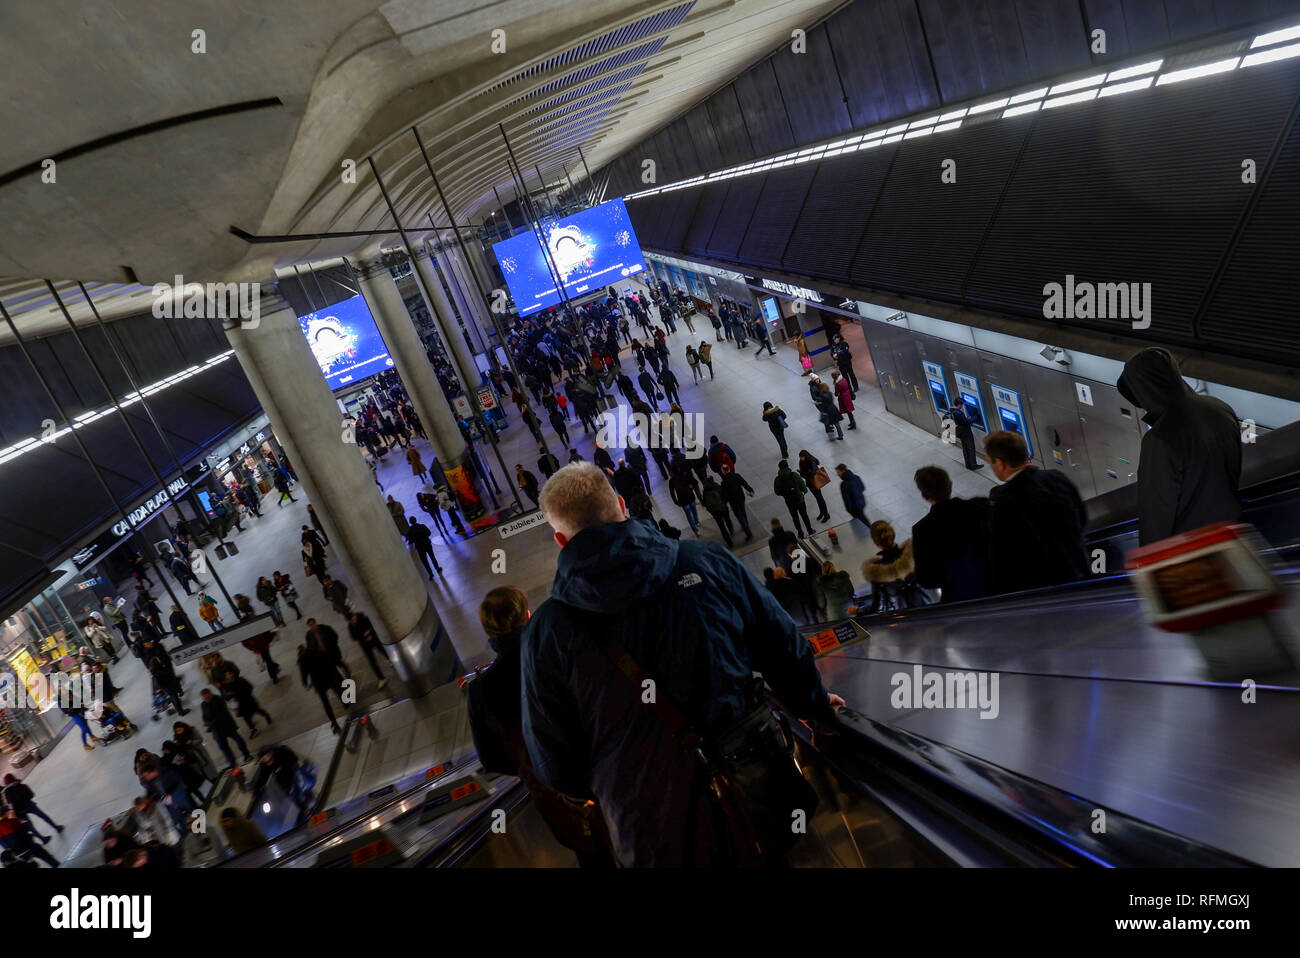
x=923, y=231
x=738, y=210
x=705, y=217
x=777, y=210
x=1139, y=189
x=825, y=238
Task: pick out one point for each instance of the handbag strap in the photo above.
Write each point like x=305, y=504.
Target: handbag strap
x=681, y=730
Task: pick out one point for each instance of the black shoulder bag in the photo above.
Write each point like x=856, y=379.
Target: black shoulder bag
x=751, y=769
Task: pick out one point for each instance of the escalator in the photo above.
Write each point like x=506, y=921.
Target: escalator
x=1102, y=743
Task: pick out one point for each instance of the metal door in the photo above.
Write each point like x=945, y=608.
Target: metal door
x=915, y=387
x=1113, y=434
x=880, y=340
x=1057, y=426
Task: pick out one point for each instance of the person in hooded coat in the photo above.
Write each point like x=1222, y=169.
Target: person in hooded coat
x=1190, y=465
x=586, y=728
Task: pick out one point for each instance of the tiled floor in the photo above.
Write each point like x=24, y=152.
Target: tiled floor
x=81, y=789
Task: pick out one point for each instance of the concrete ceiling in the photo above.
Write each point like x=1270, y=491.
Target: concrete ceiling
x=159, y=149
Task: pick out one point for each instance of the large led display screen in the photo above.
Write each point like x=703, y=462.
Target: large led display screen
x=592, y=249
x=345, y=342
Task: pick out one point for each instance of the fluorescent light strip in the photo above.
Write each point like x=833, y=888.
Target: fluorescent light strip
x=991, y=105
x=1139, y=84
x=892, y=139
x=1031, y=95
x=928, y=121
x=915, y=133
x=1140, y=70
x=1203, y=70
x=947, y=126
x=1072, y=98
x=1097, y=80
x=1277, y=36
x=897, y=129
x=1272, y=56
x=954, y=115
x=1017, y=110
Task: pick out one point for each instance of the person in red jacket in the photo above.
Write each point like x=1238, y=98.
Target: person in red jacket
x=843, y=396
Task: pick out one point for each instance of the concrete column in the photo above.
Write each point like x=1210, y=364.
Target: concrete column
x=404, y=346
x=475, y=318
x=305, y=416
x=445, y=318
x=456, y=283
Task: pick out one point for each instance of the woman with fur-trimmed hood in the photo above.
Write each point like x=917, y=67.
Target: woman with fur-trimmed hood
x=892, y=573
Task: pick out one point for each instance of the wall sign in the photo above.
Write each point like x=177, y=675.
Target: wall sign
x=798, y=292
x=150, y=506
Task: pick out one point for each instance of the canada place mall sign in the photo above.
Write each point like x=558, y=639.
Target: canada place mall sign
x=148, y=508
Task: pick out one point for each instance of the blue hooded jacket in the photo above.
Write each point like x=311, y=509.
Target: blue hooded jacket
x=699, y=624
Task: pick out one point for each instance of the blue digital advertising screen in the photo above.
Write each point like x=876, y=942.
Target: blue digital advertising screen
x=592, y=249
x=345, y=342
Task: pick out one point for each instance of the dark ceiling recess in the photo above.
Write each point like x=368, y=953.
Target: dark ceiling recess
x=1144, y=188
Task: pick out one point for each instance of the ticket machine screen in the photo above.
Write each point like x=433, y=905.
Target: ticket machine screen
x=939, y=395
x=1010, y=420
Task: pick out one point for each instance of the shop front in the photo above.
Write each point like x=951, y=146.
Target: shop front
x=35, y=640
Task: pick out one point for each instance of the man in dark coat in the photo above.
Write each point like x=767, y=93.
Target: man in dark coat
x=421, y=538
x=853, y=493
x=526, y=482
x=586, y=727
x=320, y=672
x=1036, y=531
x=1190, y=466
x=218, y=721
x=950, y=544
x=363, y=633
x=547, y=463
x=965, y=434
x=323, y=637
x=734, y=488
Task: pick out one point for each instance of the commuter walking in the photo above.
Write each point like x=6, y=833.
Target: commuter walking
x=284, y=585
x=734, y=489
x=363, y=633
x=789, y=485
x=684, y=491
x=547, y=464
x=830, y=416
x=711, y=497
x=239, y=690
x=627, y=606
x=421, y=539
x=22, y=800
x=208, y=612
x=18, y=839
x=706, y=356
x=221, y=726
x=774, y=416
x=950, y=543
x=557, y=423
x=527, y=483
x=814, y=476
x=260, y=646
x=892, y=572
x=282, y=486
x=1190, y=467
x=111, y=612
x=1036, y=532
x=763, y=337
x=316, y=524
x=320, y=673
x=268, y=596
x=321, y=636
x=398, y=512
x=668, y=379
x=337, y=593
x=853, y=493
x=418, y=468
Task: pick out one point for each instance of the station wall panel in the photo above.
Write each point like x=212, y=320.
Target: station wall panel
x=737, y=211
x=775, y=214
x=765, y=115
x=810, y=88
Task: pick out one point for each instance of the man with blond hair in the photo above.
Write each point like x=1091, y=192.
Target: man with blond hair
x=687, y=618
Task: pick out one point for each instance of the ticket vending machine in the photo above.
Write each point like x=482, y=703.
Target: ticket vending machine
x=938, y=388
x=1011, y=414
x=968, y=388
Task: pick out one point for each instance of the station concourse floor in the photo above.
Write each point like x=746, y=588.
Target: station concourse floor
x=81, y=789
